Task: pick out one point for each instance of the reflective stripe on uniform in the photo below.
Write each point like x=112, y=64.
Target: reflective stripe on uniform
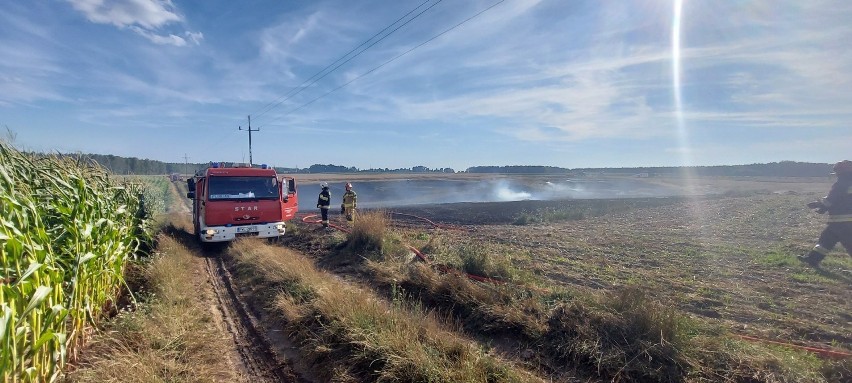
x=821, y=250
x=840, y=218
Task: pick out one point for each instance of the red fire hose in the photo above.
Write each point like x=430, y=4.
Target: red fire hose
x=825, y=353
x=343, y=229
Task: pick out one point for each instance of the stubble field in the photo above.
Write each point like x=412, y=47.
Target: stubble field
x=726, y=257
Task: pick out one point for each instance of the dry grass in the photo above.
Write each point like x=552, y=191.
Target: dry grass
x=169, y=337
x=619, y=334
x=481, y=308
x=368, y=233
x=627, y=337
x=490, y=309
x=623, y=336
x=349, y=334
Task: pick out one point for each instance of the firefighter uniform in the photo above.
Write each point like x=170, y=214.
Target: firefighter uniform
x=838, y=204
x=323, y=202
x=350, y=202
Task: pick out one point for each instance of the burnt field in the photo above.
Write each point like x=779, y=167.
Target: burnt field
x=727, y=257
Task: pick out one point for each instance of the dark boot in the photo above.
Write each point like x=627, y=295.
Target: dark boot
x=813, y=258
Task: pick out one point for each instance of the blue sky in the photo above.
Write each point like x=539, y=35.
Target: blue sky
x=550, y=82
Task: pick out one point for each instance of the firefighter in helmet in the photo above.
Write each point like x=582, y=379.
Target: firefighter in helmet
x=838, y=204
x=349, y=203
x=323, y=202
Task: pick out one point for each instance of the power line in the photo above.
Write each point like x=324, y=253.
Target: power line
x=302, y=86
x=220, y=142
x=387, y=62
x=249, y=134
x=185, y=164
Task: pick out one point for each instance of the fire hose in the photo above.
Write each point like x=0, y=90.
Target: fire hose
x=823, y=352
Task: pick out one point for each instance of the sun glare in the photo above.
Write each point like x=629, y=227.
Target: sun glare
x=683, y=137
x=684, y=147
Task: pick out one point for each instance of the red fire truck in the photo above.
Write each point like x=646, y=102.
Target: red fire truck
x=241, y=201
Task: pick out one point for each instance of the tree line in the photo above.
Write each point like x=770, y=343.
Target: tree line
x=133, y=165
x=772, y=169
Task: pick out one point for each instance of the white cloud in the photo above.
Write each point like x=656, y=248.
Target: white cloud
x=195, y=37
x=171, y=39
x=149, y=14
x=787, y=75
x=159, y=39
x=144, y=17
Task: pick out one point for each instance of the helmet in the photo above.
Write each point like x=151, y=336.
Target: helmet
x=348, y=185
x=843, y=167
x=324, y=185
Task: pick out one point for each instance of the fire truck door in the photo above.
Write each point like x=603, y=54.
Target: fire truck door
x=290, y=198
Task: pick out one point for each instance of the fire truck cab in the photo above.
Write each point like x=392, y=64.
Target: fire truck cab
x=241, y=201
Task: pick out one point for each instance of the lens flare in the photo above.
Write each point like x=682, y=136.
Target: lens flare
x=683, y=137
x=687, y=172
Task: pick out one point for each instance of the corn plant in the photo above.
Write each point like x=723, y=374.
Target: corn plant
x=66, y=231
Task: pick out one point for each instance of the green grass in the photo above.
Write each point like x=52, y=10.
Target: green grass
x=810, y=277
x=779, y=259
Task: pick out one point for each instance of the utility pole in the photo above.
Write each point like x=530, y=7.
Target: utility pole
x=249, y=131
x=185, y=165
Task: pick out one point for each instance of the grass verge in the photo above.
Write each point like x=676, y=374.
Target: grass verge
x=347, y=333
x=169, y=337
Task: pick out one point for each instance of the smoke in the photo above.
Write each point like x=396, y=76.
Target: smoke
x=503, y=192
x=393, y=193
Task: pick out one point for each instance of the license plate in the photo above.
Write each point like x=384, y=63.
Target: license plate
x=247, y=229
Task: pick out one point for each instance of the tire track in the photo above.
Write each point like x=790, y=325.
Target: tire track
x=263, y=355
x=257, y=360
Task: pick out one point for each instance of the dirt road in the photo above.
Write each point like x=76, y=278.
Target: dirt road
x=260, y=353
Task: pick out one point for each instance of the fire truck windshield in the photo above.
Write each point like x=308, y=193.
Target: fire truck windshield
x=226, y=188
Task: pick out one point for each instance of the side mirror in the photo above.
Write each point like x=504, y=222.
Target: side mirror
x=291, y=186
x=190, y=184
x=190, y=195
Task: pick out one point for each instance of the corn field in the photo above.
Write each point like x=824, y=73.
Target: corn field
x=66, y=231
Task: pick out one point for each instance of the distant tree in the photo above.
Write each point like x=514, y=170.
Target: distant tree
x=518, y=169
x=317, y=168
x=773, y=169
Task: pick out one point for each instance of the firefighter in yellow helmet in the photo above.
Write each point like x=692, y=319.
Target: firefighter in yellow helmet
x=350, y=202
x=838, y=204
